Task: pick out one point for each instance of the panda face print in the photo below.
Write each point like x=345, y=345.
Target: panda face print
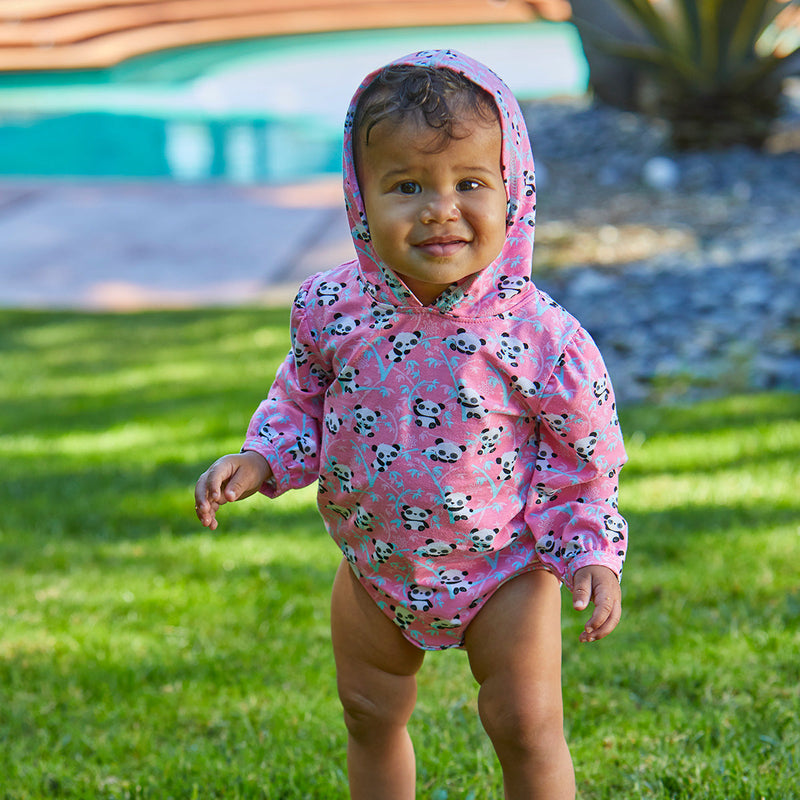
x=361, y=229
x=614, y=527
x=525, y=386
x=342, y=325
x=600, y=390
x=319, y=374
x=402, y=617
x=456, y=505
x=434, y=549
x=507, y=462
x=385, y=454
x=403, y=344
x=547, y=544
x=366, y=418
x=465, y=342
x=512, y=209
x=383, y=317
x=300, y=352
x=415, y=518
x=571, y=549
x=544, y=493
x=363, y=518
x=455, y=580
x=267, y=432
x=427, y=413
x=304, y=446
x=510, y=286
x=349, y=553
x=545, y=457
x=558, y=423
x=482, y=539
x=490, y=438
x=445, y=452
x=420, y=597
x=530, y=183
x=471, y=402
x=584, y=447
x=332, y=422
x=328, y=292
x=511, y=349
x=345, y=476
x=383, y=551
x=347, y=379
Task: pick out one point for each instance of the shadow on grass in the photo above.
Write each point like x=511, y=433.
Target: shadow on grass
x=739, y=412
x=109, y=502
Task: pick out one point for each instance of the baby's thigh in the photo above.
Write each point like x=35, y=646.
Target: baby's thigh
x=516, y=636
x=375, y=663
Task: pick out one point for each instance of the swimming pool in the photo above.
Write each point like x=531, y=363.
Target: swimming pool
x=262, y=110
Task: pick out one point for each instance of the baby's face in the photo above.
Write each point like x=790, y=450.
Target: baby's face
x=435, y=215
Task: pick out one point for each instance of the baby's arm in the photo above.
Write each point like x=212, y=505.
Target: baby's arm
x=599, y=585
x=575, y=505
x=228, y=479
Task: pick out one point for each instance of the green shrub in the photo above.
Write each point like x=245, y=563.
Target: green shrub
x=714, y=69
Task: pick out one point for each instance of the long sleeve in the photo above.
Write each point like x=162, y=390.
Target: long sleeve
x=572, y=505
x=286, y=427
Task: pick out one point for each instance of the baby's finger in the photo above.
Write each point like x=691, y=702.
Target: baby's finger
x=201, y=501
x=605, y=628
x=582, y=591
x=234, y=487
x=607, y=613
x=206, y=513
x=211, y=522
x=207, y=488
x=603, y=607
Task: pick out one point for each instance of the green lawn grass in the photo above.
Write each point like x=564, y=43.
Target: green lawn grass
x=142, y=656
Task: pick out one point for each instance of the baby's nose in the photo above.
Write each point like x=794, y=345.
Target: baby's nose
x=440, y=208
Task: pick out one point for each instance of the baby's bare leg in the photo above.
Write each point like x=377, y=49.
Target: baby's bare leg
x=514, y=647
x=375, y=669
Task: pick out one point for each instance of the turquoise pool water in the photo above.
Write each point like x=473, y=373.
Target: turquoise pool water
x=262, y=110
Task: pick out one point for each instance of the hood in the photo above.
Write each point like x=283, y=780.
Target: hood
x=501, y=285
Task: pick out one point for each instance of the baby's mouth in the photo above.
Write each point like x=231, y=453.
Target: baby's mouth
x=441, y=246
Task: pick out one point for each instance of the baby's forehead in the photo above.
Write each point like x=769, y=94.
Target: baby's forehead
x=413, y=130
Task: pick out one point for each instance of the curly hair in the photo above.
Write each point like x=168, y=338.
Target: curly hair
x=439, y=97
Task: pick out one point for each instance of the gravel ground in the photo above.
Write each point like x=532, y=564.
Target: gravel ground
x=684, y=266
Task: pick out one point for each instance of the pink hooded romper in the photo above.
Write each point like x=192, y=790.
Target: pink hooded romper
x=456, y=445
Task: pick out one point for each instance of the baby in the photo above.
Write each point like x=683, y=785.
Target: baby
x=461, y=426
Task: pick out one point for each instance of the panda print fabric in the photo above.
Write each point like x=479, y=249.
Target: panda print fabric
x=456, y=445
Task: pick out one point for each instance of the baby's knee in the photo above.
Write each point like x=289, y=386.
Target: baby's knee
x=366, y=715
x=526, y=718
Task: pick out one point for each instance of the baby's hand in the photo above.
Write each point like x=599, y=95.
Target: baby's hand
x=600, y=586
x=230, y=478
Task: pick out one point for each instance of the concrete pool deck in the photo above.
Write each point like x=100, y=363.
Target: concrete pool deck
x=114, y=246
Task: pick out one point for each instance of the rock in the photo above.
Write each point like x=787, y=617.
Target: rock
x=722, y=313
x=661, y=173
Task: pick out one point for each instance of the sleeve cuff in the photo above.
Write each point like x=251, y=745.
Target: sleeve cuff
x=591, y=559
x=275, y=485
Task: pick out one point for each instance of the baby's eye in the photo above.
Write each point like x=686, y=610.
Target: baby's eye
x=408, y=187
x=468, y=185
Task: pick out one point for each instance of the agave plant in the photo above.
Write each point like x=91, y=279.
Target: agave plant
x=714, y=69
